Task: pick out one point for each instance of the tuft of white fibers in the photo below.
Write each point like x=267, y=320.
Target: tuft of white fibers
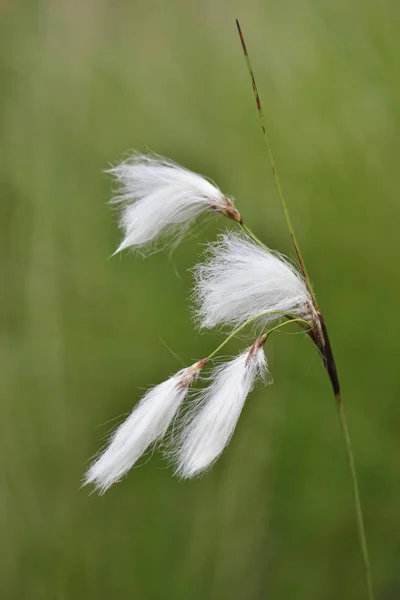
x=147, y=423
x=158, y=196
x=240, y=280
x=213, y=419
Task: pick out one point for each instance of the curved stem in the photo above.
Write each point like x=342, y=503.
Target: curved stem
x=272, y=162
x=266, y=333
x=254, y=237
x=357, y=501
x=241, y=327
x=323, y=344
x=291, y=320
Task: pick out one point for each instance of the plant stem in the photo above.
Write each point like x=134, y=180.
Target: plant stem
x=323, y=344
x=357, y=501
x=290, y=320
x=272, y=162
x=254, y=237
x=250, y=321
x=239, y=329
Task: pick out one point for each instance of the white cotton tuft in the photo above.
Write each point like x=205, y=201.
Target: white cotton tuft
x=213, y=420
x=147, y=423
x=158, y=196
x=240, y=280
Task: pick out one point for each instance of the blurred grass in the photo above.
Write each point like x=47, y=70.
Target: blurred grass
x=81, y=336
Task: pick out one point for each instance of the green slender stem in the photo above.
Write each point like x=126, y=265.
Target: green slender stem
x=342, y=416
x=294, y=320
x=266, y=333
x=272, y=162
x=345, y=431
x=241, y=327
x=357, y=501
x=254, y=237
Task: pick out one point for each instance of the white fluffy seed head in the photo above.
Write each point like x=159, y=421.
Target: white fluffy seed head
x=147, y=423
x=158, y=197
x=239, y=280
x=211, y=423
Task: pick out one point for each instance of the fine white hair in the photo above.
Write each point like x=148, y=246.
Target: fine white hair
x=212, y=421
x=239, y=280
x=158, y=196
x=147, y=424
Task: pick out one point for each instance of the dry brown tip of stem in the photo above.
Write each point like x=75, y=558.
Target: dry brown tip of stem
x=241, y=36
x=320, y=337
x=231, y=211
x=189, y=375
x=259, y=343
x=228, y=210
x=201, y=363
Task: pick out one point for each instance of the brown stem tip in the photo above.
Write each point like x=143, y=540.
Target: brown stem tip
x=320, y=337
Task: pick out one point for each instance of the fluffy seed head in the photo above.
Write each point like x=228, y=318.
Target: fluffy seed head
x=213, y=419
x=159, y=196
x=147, y=423
x=240, y=280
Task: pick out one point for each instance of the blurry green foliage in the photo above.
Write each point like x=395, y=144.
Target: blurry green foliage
x=81, y=83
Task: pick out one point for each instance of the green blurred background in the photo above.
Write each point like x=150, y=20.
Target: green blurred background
x=82, y=336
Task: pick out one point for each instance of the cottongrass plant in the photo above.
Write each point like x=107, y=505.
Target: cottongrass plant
x=217, y=410
x=160, y=197
x=147, y=424
x=241, y=283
